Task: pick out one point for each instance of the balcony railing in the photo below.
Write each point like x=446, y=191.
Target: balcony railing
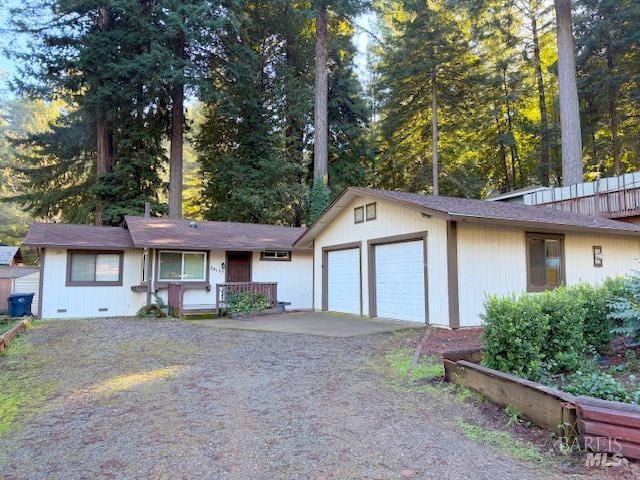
x=616, y=204
x=224, y=290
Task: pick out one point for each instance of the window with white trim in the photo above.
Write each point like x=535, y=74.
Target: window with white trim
x=182, y=266
x=275, y=255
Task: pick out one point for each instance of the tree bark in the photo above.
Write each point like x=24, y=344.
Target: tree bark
x=613, y=108
x=572, y=170
x=434, y=133
x=321, y=128
x=177, y=138
x=104, y=150
x=545, y=154
x=503, y=153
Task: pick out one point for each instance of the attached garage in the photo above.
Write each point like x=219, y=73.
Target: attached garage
x=342, y=279
x=398, y=278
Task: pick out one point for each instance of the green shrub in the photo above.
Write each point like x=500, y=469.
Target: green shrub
x=597, y=325
x=598, y=385
x=515, y=329
x=246, y=302
x=625, y=310
x=564, y=346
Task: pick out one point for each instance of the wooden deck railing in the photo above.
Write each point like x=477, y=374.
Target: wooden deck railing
x=614, y=204
x=268, y=289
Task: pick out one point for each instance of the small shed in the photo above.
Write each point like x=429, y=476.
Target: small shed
x=10, y=256
x=19, y=280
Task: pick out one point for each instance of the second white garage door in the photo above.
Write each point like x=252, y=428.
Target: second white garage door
x=343, y=278
x=400, y=281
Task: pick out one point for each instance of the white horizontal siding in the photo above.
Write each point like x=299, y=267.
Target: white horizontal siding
x=492, y=261
x=294, y=278
x=86, y=302
x=392, y=219
x=29, y=284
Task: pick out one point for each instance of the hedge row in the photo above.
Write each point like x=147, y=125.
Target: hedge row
x=549, y=333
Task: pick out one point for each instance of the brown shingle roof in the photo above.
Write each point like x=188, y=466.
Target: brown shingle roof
x=476, y=210
x=16, y=272
x=502, y=211
x=172, y=233
x=77, y=236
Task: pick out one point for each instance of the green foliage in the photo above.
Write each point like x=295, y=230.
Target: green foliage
x=598, y=385
x=318, y=200
x=626, y=310
x=563, y=345
x=500, y=439
x=596, y=301
x=246, y=302
x=515, y=331
x=427, y=368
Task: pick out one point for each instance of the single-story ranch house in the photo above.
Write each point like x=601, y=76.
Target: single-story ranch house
x=398, y=255
x=91, y=271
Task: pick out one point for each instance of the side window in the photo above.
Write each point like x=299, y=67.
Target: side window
x=358, y=214
x=545, y=262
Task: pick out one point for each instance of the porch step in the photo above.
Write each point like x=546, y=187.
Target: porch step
x=200, y=315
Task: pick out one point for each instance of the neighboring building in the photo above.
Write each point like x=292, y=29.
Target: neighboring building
x=16, y=279
x=10, y=256
x=612, y=197
x=515, y=196
x=90, y=271
x=378, y=253
x=416, y=257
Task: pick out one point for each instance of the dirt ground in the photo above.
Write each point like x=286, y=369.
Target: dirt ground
x=129, y=398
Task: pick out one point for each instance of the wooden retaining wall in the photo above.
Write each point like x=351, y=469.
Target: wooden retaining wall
x=7, y=337
x=547, y=407
x=612, y=427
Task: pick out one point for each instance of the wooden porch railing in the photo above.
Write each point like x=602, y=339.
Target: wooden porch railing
x=268, y=289
x=175, y=298
x=613, y=204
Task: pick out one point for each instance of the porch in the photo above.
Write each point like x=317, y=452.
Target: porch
x=223, y=293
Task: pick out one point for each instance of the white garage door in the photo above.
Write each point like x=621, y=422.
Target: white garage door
x=343, y=289
x=400, y=281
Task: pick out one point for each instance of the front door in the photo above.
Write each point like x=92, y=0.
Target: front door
x=238, y=267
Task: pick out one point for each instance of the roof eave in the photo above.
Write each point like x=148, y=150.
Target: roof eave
x=543, y=226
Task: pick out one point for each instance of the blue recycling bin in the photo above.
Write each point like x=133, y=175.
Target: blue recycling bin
x=20, y=304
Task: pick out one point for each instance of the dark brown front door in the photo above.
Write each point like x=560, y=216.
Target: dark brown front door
x=238, y=266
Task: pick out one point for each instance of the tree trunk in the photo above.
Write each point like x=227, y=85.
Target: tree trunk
x=177, y=138
x=320, y=134
x=512, y=147
x=613, y=109
x=572, y=170
x=434, y=133
x=503, y=152
x=104, y=161
x=545, y=154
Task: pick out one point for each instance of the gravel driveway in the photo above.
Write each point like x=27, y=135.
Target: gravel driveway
x=141, y=399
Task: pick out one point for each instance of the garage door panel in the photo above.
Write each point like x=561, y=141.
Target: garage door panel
x=400, y=282
x=343, y=278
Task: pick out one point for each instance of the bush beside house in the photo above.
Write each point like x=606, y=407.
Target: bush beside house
x=557, y=337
